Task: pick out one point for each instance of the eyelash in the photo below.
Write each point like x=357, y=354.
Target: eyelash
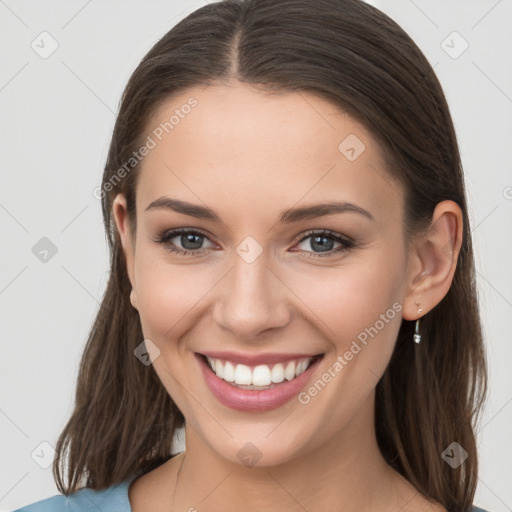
x=164, y=239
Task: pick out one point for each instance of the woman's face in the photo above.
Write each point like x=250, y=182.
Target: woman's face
x=254, y=285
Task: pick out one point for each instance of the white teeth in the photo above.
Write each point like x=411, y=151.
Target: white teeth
x=261, y=375
x=219, y=370
x=229, y=372
x=243, y=375
x=277, y=373
x=301, y=367
x=289, y=371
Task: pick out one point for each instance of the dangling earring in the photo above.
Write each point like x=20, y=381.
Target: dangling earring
x=417, y=336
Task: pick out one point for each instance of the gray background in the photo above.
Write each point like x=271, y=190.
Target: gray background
x=57, y=114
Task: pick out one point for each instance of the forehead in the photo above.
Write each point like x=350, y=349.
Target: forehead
x=237, y=146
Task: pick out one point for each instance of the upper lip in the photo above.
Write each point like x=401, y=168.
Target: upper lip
x=255, y=359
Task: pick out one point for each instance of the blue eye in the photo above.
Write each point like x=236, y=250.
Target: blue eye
x=324, y=241
x=192, y=241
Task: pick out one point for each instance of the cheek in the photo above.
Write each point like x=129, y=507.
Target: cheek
x=167, y=293
x=358, y=310
x=347, y=300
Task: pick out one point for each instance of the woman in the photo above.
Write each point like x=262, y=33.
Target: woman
x=292, y=277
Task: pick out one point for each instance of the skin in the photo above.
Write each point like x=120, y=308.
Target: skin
x=248, y=156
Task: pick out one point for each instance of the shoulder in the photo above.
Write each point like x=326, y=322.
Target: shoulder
x=112, y=499
x=476, y=509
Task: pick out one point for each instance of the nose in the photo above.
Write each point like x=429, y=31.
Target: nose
x=252, y=300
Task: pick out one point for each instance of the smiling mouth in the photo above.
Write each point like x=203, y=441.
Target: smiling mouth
x=261, y=376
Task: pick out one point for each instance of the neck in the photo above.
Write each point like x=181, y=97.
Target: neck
x=347, y=471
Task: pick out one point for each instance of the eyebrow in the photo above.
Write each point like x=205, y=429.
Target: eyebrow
x=287, y=217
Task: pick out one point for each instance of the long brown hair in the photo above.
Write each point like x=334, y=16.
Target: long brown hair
x=356, y=57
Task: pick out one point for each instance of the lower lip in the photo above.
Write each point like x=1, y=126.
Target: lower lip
x=254, y=400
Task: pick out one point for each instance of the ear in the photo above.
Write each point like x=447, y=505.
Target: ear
x=120, y=213
x=433, y=261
